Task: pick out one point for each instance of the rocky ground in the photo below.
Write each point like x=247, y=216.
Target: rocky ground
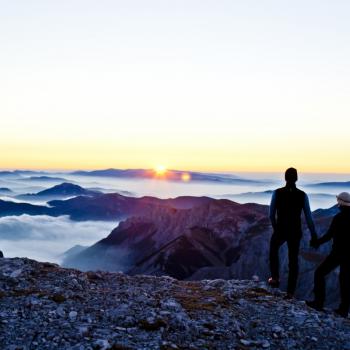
x=43, y=306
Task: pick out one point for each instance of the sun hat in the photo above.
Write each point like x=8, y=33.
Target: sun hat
x=344, y=199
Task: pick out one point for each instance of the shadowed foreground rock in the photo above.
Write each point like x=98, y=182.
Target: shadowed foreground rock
x=43, y=306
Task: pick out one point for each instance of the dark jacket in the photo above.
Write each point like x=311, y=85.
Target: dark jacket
x=287, y=205
x=339, y=231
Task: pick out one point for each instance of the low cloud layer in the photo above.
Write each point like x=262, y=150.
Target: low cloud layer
x=45, y=238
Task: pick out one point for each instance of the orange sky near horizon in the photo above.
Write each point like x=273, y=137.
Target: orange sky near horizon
x=190, y=84
x=214, y=157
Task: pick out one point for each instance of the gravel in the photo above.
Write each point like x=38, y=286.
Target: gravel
x=43, y=306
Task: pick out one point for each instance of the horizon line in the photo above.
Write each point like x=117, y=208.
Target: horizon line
x=67, y=170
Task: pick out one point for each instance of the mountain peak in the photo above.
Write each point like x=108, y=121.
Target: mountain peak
x=5, y=190
x=66, y=189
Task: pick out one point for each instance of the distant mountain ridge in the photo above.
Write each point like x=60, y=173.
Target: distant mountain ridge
x=22, y=172
x=264, y=197
x=170, y=175
x=114, y=206
x=331, y=184
x=8, y=208
x=62, y=190
x=173, y=175
x=68, y=189
x=110, y=206
x=5, y=190
x=45, y=178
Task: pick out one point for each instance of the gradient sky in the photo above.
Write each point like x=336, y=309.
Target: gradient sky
x=191, y=84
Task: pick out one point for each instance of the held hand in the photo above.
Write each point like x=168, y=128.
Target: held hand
x=314, y=243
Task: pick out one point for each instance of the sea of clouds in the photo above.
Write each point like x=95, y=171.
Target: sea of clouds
x=46, y=238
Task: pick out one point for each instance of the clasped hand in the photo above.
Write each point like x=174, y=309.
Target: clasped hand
x=314, y=243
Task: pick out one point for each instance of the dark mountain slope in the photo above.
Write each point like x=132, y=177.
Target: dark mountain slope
x=220, y=239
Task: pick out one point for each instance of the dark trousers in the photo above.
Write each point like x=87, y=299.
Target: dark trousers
x=277, y=240
x=328, y=265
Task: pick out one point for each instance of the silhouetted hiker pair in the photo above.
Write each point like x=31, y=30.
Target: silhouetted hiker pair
x=287, y=205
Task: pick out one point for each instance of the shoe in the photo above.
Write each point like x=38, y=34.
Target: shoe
x=274, y=283
x=288, y=296
x=314, y=305
x=341, y=313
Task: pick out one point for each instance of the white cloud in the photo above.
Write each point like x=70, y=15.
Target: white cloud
x=45, y=238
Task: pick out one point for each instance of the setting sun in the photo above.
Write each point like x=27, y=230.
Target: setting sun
x=160, y=170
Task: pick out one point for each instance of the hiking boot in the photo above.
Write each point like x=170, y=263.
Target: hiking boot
x=341, y=313
x=315, y=305
x=274, y=283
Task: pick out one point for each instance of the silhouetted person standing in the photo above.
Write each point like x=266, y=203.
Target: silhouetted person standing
x=286, y=207
x=339, y=231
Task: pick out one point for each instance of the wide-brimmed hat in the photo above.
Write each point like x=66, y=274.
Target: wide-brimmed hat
x=344, y=199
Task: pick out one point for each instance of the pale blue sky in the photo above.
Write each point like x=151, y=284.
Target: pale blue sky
x=232, y=84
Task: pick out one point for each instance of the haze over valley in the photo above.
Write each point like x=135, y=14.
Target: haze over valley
x=43, y=214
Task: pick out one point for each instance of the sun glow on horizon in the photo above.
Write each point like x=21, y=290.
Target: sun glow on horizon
x=185, y=177
x=160, y=170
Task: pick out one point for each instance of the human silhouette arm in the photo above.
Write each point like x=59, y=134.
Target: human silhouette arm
x=308, y=217
x=272, y=210
x=330, y=233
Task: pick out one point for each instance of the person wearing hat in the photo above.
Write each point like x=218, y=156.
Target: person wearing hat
x=287, y=205
x=339, y=232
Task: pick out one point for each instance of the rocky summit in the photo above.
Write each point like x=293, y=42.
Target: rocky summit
x=43, y=306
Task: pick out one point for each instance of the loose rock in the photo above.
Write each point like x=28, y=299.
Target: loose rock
x=68, y=309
